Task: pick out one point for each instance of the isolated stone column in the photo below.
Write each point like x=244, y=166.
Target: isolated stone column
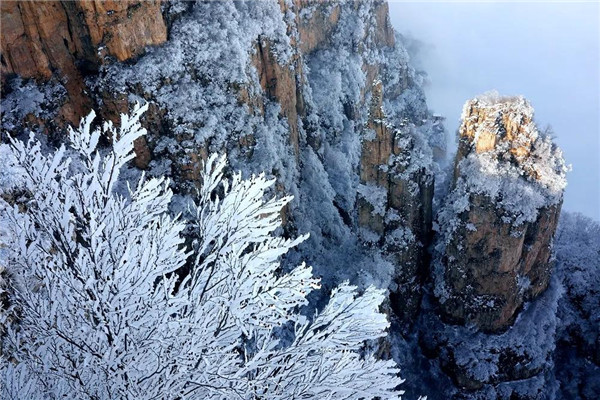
x=500, y=217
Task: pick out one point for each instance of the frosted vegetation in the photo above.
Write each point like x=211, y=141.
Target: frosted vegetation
x=525, y=172
x=523, y=350
x=206, y=56
x=27, y=97
x=112, y=302
x=577, y=247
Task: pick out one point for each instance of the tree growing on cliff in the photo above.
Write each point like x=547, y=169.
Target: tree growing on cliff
x=102, y=312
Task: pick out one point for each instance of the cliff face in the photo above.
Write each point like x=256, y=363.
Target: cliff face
x=395, y=202
x=67, y=40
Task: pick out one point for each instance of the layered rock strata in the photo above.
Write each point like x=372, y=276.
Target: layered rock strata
x=395, y=203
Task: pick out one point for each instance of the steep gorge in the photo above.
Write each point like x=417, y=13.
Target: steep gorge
x=311, y=71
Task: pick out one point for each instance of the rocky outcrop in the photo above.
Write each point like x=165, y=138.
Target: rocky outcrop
x=123, y=29
x=493, y=267
x=492, y=258
x=501, y=216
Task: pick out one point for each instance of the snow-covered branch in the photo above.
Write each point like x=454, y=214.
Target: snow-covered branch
x=104, y=311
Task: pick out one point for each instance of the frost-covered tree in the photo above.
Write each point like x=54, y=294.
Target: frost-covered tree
x=103, y=310
x=577, y=356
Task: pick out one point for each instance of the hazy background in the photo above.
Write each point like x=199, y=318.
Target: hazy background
x=548, y=52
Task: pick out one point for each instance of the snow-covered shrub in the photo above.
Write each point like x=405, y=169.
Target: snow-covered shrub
x=111, y=303
x=500, y=362
x=194, y=74
x=577, y=247
x=28, y=97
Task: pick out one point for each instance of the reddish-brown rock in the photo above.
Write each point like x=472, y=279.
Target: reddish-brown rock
x=41, y=39
x=498, y=256
x=124, y=27
x=403, y=222
x=314, y=31
x=280, y=82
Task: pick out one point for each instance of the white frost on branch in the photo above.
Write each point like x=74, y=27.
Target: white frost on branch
x=112, y=303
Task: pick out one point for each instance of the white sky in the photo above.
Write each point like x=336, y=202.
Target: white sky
x=546, y=51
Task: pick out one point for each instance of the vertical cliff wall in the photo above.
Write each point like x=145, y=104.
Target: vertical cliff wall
x=67, y=40
x=395, y=201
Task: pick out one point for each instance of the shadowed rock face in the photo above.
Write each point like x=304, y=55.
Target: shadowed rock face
x=494, y=267
x=510, y=181
x=406, y=196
